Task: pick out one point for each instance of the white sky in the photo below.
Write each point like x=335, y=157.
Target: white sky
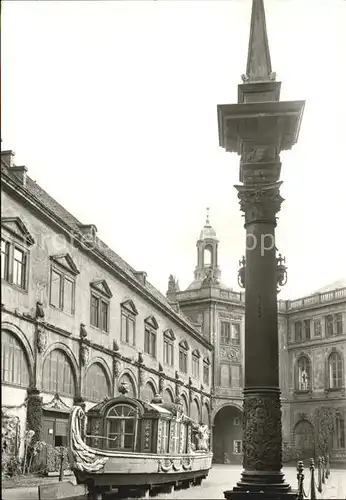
x=112, y=107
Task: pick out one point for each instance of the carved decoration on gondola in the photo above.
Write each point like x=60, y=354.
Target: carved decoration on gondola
x=84, y=457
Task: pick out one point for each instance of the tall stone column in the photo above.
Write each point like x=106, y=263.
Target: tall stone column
x=258, y=128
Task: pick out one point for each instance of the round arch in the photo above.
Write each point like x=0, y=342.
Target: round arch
x=227, y=433
x=59, y=374
x=304, y=438
x=339, y=373
x=205, y=414
x=224, y=405
x=195, y=410
x=97, y=381
x=302, y=372
x=105, y=366
x=185, y=403
x=128, y=377
x=149, y=390
x=21, y=337
x=69, y=353
x=168, y=395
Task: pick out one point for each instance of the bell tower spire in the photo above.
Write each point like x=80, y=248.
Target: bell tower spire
x=259, y=68
x=207, y=268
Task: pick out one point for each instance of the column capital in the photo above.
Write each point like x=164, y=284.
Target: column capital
x=260, y=202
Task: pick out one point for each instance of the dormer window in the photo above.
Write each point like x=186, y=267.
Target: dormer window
x=168, y=347
x=62, y=282
x=150, y=332
x=195, y=363
x=99, y=305
x=183, y=349
x=15, y=243
x=128, y=322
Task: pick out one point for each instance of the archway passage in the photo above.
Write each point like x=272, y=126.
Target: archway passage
x=228, y=436
x=304, y=440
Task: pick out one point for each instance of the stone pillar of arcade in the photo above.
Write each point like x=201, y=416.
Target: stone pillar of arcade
x=258, y=128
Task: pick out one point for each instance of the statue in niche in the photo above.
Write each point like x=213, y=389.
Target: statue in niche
x=304, y=381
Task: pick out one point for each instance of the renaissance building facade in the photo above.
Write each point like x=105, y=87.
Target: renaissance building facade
x=78, y=321
x=312, y=350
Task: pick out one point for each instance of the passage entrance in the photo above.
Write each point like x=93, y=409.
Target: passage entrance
x=304, y=441
x=228, y=436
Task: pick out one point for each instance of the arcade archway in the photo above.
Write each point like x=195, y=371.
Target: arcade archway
x=304, y=439
x=228, y=435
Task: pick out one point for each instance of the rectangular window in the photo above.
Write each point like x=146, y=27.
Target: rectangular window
x=339, y=433
x=127, y=329
x=205, y=373
x=150, y=342
x=99, y=313
x=329, y=325
x=298, y=331
x=68, y=295
x=19, y=261
x=307, y=335
x=182, y=361
x=317, y=328
x=174, y=446
x=168, y=352
x=94, y=311
x=235, y=376
x=195, y=367
x=5, y=253
x=61, y=291
x=339, y=324
x=237, y=447
x=55, y=289
x=104, y=316
x=235, y=333
x=225, y=337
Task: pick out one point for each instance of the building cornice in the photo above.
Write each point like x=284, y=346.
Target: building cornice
x=18, y=191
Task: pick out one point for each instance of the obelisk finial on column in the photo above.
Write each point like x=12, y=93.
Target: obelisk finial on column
x=259, y=68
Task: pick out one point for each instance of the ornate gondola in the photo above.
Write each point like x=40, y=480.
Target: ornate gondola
x=128, y=444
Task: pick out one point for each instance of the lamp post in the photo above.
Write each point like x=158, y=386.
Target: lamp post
x=258, y=128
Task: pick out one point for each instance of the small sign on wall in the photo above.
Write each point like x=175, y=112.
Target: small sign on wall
x=50, y=431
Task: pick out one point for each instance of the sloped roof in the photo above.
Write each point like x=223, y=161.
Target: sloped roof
x=74, y=224
x=332, y=286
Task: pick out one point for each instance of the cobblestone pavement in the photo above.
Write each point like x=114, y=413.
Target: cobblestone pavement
x=221, y=478
x=224, y=477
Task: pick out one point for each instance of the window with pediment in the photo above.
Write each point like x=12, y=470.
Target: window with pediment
x=15, y=245
x=206, y=371
x=183, y=350
x=195, y=363
x=150, y=335
x=168, y=347
x=128, y=322
x=100, y=295
x=335, y=370
x=63, y=274
x=303, y=374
